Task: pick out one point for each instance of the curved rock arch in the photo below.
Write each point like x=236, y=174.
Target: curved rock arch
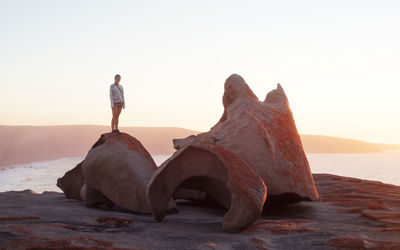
x=220, y=173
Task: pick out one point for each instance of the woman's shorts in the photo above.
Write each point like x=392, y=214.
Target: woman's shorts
x=118, y=104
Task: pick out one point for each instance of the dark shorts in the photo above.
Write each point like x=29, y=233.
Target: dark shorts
x=118, y=104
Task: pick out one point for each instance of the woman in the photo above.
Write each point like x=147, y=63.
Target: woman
x=117, y=103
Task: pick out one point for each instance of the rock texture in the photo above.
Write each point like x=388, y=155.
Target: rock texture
x=72, y=182
x=116, y=171
x=219, y=173
x=350, y=214
x=120, y=168
x=265, y=136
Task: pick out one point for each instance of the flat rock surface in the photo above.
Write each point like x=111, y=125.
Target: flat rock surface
x=351, y=213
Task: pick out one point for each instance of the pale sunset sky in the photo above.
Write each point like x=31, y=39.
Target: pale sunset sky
x=338, y=61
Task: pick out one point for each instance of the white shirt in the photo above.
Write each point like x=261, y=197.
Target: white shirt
x=116, y=94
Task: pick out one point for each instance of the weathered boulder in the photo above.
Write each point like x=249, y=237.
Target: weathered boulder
x=265, y=136
x=72, y=182
x=119, y=167
x=115, y=171
x=216, y=171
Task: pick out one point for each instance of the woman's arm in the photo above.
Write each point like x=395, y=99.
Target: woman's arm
x=112, y=96
x=123, y=96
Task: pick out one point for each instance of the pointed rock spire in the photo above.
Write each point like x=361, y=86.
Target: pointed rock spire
x=236, y=87
x=277, y=97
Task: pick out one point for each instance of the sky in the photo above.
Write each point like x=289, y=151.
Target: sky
x=338, y=62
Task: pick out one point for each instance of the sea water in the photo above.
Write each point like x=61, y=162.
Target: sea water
x=42, y=176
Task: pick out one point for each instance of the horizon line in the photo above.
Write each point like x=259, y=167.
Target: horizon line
x=101, y=125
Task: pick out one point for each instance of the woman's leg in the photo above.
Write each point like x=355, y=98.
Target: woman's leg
x=113, y=119
x=117, y=113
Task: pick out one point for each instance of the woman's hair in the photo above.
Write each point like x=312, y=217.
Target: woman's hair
x=115, y=77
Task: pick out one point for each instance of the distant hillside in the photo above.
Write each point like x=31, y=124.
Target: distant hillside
x=24, y=144
x=388, y=147
x=329, y=144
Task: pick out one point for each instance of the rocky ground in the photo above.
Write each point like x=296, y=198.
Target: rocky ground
x=351, y=213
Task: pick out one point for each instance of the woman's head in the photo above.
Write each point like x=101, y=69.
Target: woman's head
x=117, y=78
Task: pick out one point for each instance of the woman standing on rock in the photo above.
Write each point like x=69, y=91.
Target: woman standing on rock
x=117, y=103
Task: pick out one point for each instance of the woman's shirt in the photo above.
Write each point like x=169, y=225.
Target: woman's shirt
x=116, y=94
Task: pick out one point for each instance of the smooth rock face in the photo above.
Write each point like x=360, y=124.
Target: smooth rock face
x=219, y=173
x=119, y=167
x=116, y=171
x=72, y=182
x=265, y=136
x=92, y=197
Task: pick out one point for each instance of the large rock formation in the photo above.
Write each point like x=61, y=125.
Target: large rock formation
x=116, y=170
x=258, y=137
x=264, y=135
x=216, y=171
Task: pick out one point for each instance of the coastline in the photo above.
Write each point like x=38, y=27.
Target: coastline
x=41, y=176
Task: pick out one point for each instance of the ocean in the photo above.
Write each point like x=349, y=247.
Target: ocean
x=42, y=176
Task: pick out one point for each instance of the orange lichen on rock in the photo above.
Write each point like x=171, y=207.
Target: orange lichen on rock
x=281, y=226
x=112, y=221
x=19, y=218
x=371, y=200
x=361, y=243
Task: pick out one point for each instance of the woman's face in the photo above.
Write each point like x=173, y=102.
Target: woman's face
x=117, y=79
